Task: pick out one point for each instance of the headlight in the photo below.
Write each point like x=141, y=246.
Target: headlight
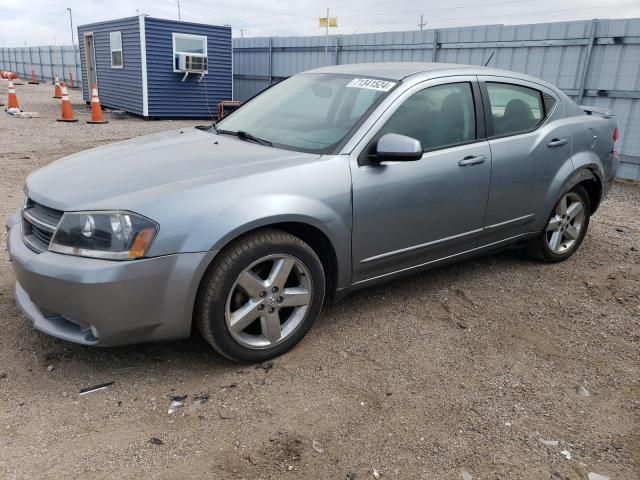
x=108, y=235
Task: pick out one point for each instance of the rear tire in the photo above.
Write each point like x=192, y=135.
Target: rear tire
x=260, y=296
x=565, y=229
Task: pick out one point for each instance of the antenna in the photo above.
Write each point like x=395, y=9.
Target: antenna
x=489, y=59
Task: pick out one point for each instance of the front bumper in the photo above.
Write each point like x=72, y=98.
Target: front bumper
x=102, y=302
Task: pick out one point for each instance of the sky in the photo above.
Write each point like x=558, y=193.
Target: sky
x=41, y=22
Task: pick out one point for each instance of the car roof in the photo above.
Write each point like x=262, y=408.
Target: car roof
x=401, y=70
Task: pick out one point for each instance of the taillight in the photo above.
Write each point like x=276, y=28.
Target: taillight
x=616, y=135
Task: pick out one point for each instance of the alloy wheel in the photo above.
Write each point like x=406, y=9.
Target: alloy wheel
x=565, y=226
x=268, y=301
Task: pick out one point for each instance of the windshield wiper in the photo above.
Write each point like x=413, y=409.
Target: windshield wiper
x=243, y=135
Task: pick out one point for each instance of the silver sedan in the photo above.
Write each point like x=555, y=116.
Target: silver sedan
x=331, y=180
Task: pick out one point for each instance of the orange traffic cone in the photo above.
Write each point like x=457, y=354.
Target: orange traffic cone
x=58, y=91
x=96, y=109
x=13, y=98
x=66, y=108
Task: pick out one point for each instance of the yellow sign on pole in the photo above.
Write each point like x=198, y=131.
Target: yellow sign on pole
x=333, y=22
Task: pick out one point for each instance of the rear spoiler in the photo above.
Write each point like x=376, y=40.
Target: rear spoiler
x=598, y=111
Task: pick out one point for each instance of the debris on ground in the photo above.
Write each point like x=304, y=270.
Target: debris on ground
x=466, y=475
x=350, y=476
x=549, y=443
x=50, y=368
x=202, y=397
x=317, y=447
x=178, y=398
x=118, y=114
x=224, y=413
x=26, y=114
x=566, y=454
x=175, y=405
x=376, y=474
x=582, y=392
x=277, y=437
x=95, y=388
x=266, y=366
x=596, y=476
x=3, y=375
x=156, y=441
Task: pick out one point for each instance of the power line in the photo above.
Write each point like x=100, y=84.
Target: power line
x=359, y=6
x=452, y=19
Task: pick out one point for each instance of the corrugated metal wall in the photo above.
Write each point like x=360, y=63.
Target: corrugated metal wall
x=169, y=96
x=595, y=62
x=48, y=61
x=119, y=87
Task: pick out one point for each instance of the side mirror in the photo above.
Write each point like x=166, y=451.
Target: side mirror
x=398, y=148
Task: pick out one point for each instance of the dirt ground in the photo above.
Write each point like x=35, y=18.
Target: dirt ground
x=454, y=373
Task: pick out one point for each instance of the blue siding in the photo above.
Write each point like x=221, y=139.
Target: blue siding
x=118, y=87
x=168, y=95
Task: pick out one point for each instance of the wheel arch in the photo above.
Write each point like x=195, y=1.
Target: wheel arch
x=588, y=178
x=311, y=234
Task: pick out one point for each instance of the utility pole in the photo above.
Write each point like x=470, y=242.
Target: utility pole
x=241, y=33
x=422, y=23
x=326, y=38
x=71, y=23
x=178, y=3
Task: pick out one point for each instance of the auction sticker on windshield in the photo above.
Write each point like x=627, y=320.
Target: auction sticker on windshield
x=371, y=84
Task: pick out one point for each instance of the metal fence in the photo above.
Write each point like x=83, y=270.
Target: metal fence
x=595, y=62
x=48, y=62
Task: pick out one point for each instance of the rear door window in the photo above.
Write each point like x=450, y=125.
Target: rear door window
x=514, y=108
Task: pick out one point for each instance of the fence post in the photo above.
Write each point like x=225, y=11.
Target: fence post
x=51, y=63
x=434, y=51
x=31, y=63
x=335, y=58
x=587, y=59
x=270, y=60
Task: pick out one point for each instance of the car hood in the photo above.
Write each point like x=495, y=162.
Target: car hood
x=150, y=166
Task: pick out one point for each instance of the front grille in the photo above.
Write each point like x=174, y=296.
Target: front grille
x=38, y=225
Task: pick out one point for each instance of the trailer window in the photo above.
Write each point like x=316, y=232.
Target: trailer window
x=115, y=45
x=193, y=45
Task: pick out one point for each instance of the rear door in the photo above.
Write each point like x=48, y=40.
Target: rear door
x=530, y=141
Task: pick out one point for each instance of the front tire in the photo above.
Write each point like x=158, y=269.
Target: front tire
x=260, y=296
x=566, y=228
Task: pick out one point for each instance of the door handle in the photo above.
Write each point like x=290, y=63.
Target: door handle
x=557, y=142
x=472, y=160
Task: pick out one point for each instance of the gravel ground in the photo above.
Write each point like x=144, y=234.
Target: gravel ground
x=453, y=372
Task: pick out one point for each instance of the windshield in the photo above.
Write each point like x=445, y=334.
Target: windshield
x=308, y=112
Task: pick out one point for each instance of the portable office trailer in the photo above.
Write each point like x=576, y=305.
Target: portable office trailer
x=157, y=68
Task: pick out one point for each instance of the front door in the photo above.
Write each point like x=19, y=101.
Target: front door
x=414, y=212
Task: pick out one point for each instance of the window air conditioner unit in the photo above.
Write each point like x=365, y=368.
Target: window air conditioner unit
x=192, y=63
